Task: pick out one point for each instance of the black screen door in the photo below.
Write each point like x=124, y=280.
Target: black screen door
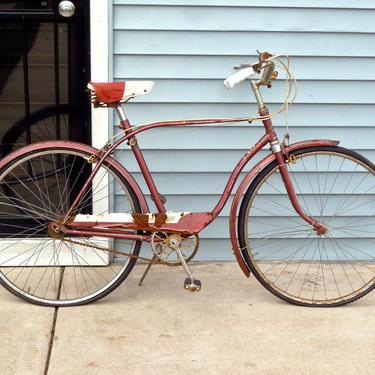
x=43, y=73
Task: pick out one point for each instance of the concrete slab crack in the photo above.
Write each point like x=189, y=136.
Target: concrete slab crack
x=53, y=328
x=51, y=339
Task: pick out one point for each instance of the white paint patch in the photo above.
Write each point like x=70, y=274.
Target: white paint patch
x=172, y=218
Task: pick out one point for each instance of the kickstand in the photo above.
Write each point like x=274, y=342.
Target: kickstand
x=146, y=271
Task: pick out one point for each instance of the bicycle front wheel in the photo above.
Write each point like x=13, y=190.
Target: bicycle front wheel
x=336, y=187
x=38, y=187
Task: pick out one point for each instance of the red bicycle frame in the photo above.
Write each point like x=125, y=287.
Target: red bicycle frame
x=190, y=223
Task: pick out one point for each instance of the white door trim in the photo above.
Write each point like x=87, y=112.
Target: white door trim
x=99, y=46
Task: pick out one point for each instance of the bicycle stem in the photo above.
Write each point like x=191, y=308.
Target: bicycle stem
x=277, y=150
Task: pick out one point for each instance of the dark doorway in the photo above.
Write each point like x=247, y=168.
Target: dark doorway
x=44, y=62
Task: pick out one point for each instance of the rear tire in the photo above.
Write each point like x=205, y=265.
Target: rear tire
x=38, y=187
x=48, y=123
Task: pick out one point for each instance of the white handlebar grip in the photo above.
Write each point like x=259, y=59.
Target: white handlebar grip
x=238, y=77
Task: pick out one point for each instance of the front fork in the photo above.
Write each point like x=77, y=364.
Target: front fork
x=276, y=149
x=319, y=227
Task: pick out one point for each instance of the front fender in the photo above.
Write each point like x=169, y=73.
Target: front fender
x=246, y=181
x=79, y=147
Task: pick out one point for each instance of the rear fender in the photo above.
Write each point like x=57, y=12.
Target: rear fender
x=245, y=183
x=85, y=148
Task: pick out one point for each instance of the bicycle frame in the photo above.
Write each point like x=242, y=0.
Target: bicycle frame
x=190, y=223
x=74, y=218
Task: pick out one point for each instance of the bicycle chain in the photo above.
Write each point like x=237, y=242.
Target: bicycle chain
x=156, y=261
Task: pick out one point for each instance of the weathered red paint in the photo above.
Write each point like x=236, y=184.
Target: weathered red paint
x=195, y=122
x=49, y=145
x=130, y=134
x=144, y=169
x=284, y=172
x=109, y=92
x=191, y=223
x=236, y=172
x=311, y=143
x=84, y=231
x=291, y=193
x=246, y=181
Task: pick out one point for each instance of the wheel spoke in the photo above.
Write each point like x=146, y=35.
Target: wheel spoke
x=333, y=186
x=38, y=188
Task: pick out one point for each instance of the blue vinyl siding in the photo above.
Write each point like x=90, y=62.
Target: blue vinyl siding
x=189, y=47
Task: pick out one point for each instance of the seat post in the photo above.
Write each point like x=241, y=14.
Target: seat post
x=124, y=122
x=120, y=113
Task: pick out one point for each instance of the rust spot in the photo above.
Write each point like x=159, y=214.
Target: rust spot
x=321, y=230
x=140, y=219
x=160, y=219
x=70, y=220
x=132, y=141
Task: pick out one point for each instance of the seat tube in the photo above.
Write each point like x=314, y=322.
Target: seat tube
x=125, y=124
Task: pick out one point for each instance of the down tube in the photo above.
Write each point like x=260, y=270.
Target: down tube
x=237, y=170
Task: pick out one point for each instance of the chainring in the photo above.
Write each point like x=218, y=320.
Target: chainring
x=164, y=251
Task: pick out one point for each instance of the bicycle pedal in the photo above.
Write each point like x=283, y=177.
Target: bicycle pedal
x=192, y=285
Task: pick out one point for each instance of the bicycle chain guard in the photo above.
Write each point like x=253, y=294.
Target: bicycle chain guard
x=164, y=241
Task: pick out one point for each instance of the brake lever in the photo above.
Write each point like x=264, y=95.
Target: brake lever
x=263, y=56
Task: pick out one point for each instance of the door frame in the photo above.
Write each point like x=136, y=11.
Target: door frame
x=99, y=59
x=95, y=59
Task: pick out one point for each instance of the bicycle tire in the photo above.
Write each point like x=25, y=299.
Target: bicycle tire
x=43, y=126
x=51, y=271
x=336, y=187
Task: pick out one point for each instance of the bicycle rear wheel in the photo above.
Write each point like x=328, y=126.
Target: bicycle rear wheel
x=336, y=187
x=37, y=188
x=48, y=123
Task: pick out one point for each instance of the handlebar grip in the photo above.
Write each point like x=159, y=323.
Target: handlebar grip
x=238, y=77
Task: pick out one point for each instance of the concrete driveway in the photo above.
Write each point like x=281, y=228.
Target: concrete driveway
x=233, y=326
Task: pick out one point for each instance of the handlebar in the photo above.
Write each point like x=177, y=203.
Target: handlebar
x=250, y=70
x=238, y=77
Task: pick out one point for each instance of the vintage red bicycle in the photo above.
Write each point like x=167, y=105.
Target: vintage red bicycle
x=73, y=218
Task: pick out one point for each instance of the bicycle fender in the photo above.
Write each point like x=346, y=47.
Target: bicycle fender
x=246, y=181
x=79, y=147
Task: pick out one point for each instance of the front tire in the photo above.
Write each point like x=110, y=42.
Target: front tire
x=336, y=187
